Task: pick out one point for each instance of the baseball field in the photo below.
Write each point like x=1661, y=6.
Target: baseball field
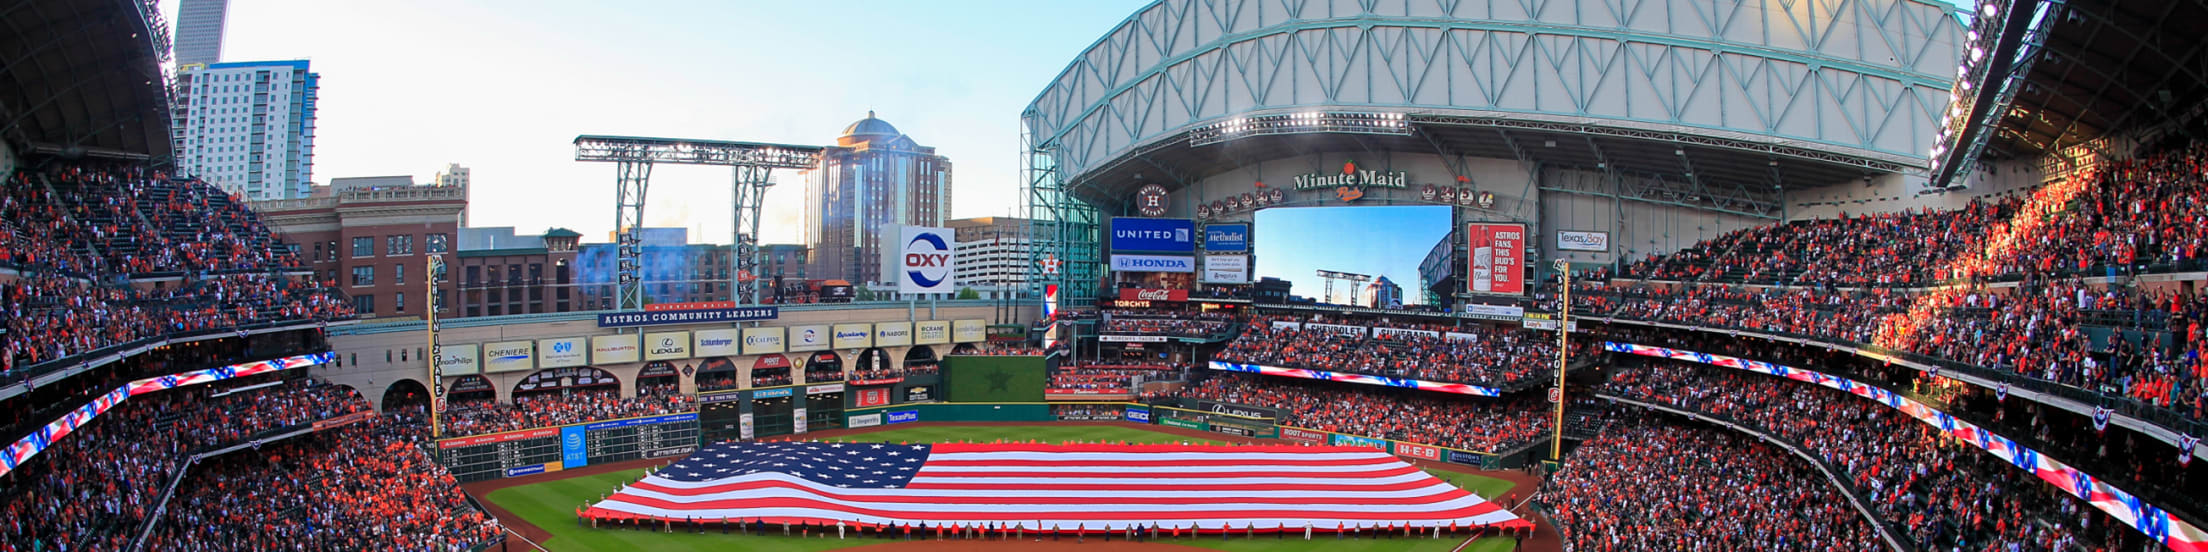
x=545, y=505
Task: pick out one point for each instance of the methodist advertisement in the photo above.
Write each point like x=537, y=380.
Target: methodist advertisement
x=1153, y=263
x=667, y=346
x=716, y=343
x=1149, y=235
x=614, y=349
x=563, y=352
x=1226, y=269
x=508, y=356
x=924, y=260
x=761, y=341
x=1227, y=238
x=853, y=336
x=1568, y=240
x=809, y=338
x=1497, y=258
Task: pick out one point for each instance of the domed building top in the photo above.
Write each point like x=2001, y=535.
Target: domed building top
x=870, y=126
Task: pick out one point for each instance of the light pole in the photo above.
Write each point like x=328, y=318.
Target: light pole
x=1563, y=356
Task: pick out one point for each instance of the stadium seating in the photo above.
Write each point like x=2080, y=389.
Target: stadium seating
x=1479, y=425
x=1495, y=358
x=1118, y=322
x=1103, y=379
x=555, y=408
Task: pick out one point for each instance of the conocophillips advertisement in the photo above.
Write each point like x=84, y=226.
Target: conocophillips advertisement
x=854, y=336
x=892, y=334
x=1149, y=235
x=931, y=332
x=969, y=331
x=809, y=338
x=562, y=352
x=613, y=349
x=761, y=341
x=457, y=360
x=667, y=346
x=1496, y=263
x=508, y=356
x=716, y=343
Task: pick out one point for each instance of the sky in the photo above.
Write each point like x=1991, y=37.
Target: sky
x=1294, y=243
x=503, y=88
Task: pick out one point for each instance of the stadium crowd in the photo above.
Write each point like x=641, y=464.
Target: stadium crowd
x=1942, y=493
x=553, y=408
x=1460, y=422
x=1653, y=484
x=1163, y=323
x=1078, y=379
x=1431, y=352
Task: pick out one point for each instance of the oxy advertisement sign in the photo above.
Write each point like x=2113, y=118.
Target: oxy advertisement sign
x=667, y=346
x=931, y=332
x=901, y=416
x=509, y=356
x=763, y=341
x=1341, y=440
x=1414, y=450
x=562, y=352
x=1153, y=263
x=926, y=263
x=892, y=334
x=809, y=338
x=716, y=343
x=1137, y=414
x=614, y=349
x=1226, y=269
x=1496, y=261
x=572, y=452
x=969, y=331
x=1568, y=240
x=1150, y=235
x=457, y=360
x=1227, y=237
x=853, y=336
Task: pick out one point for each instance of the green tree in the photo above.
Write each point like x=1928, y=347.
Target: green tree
x=968, y=293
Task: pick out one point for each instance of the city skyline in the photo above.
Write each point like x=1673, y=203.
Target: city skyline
x=492, y=87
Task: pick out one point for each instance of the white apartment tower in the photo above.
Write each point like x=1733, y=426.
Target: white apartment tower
x=199, y=31
x=247, y=127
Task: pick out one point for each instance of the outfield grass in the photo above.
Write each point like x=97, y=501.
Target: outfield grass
x=551, y=505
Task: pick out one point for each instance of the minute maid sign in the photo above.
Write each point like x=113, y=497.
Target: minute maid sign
x=1352, y=177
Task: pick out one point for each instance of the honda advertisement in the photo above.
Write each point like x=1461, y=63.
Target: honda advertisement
x=1153, y=263
x=925, y=260
x=1497, y=263
x=1149, y=235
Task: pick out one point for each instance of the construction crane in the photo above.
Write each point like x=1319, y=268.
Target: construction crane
x=1356, y=282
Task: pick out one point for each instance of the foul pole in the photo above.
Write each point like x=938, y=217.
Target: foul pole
x=1563, y=357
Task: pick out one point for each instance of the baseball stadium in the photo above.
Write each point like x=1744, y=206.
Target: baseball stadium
x=1375, y=275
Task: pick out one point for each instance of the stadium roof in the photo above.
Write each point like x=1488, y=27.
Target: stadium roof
x=83, y=76
x=2105, y=67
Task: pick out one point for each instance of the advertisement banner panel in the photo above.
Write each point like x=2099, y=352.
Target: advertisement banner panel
x=1170, y=421
x=1149, y=235
x=614, y=349
x=902, y=416
x=1415, y=450
x=716, y=343
x=743, y=425
x=1341, y=440
x=1495, y=312
x=1153, y=263
x=1227, y=269
x=1568, y=240
x=667, y=346
x=1303, y=435
x=876, y=396
x=1496, y=259
x=1132, y=338
x=1137, y=294
x=853, y=336
x=1236, y=409
x=969, y=331
x=1138, y=414
x=509, y=356
x=866, y=420
x=926, y=263
x=892, y=334
x=562, y=352
x=931, y=332
x=824, y=388
x=809, y=338
x=1227, y=237
x=1461, y=457
x=920, y=394
x=707, y=316
x=797, y=417
x=763, y=341
x=572, y=452
x=457, y=360
x=773, y=393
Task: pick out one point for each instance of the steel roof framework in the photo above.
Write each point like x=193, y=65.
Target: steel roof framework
x=633, y=158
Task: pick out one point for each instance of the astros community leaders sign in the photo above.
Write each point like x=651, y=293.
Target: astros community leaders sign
x=701, y=316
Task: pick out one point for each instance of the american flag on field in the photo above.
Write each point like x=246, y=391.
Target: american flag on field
x=1045, y=487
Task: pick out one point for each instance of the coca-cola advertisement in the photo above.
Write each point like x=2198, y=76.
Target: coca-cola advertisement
x=1141, y=294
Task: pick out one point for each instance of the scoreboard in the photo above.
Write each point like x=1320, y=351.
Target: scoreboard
x=548, y=449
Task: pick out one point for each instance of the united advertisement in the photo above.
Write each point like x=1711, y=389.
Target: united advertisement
x=667, y=346
x=925, y=260
x=509, y=356
x=563, y=352
x=853, y=336
x=1496, y=259
x=809, y=338
x=716, y=343
x=1149, y=235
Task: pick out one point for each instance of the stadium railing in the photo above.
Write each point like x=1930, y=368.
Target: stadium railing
x=23, y=380
x=161, y=507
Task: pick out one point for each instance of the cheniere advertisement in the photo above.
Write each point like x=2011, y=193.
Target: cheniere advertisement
x=1149, y=235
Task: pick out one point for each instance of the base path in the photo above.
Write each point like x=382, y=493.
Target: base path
x=1545, y=538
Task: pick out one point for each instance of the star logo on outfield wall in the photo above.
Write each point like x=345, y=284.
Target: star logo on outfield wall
x=1000, y=381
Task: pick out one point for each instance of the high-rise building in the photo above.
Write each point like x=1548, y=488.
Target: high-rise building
x=1385, y=294
x=199, y=31
x=368, y=236
x=456, y=176
x=991, y=254
x=247, y=127
x=874, y=177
